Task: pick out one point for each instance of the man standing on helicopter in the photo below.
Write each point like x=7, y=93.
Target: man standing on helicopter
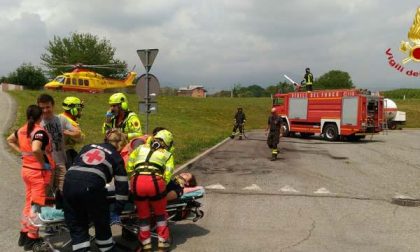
x=120, y=117
x=72, y=111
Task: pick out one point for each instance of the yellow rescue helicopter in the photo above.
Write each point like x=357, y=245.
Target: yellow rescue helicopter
x=83, y=79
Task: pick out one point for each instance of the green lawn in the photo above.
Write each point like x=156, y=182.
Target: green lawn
x=197, y=124
x=412, y=108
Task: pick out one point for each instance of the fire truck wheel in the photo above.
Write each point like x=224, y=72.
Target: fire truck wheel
x=330, y=132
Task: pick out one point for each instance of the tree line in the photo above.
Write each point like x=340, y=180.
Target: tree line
x=334, y=79
x=87, y=49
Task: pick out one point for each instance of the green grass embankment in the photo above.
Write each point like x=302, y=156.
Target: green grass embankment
x=408, y=100
x=197, y=124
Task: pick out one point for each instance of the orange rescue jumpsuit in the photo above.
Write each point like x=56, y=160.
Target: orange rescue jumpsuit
x=35, y=177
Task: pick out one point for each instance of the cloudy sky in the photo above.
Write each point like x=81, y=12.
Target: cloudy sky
x=219, y=43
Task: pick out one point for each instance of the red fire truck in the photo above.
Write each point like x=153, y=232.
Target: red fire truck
x=338, y=113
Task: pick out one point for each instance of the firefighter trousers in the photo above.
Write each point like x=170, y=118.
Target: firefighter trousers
x=147, y=189
x=85, y=202
x=273, y=139
x=236, y=126
x=36, y=184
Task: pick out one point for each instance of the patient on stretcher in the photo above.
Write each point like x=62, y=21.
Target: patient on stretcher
x=180, y=184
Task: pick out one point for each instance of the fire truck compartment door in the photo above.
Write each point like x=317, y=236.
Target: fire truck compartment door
x=298, y=108
x=349, y=113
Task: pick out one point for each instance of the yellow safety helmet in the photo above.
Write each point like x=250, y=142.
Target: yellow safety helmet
x=166, y=136
x=72, y=104
x=119, y=98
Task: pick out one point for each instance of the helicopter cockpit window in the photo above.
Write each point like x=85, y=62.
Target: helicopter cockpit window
x=59, y=79
x=67, y=82
x=86, y=82
x=80, y=82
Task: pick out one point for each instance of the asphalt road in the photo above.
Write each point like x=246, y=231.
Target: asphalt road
x=319, y=196
x=11, y=185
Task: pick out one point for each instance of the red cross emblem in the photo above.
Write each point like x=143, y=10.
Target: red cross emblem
x=93, y=157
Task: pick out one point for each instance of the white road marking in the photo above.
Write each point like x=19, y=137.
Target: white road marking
x=252, y=187
x=215, y=186
x=288, y=188
x=322, y=190
x=402, y=196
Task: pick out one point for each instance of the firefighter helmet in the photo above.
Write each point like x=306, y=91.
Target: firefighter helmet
x=119, y=98
x=307, y=69
x=166, y=136
x=72, y=104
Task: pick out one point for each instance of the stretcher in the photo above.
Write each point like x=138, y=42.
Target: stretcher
x=185, y=208
x=50, y=222
x=52, y=227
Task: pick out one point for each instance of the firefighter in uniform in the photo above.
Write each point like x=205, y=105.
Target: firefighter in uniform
x=239, y=121
x=308, y=79
x=150, y=168
x=273, y=132
x=72, y=111
x=85, y=195
x=34, y=144
x=120, y=117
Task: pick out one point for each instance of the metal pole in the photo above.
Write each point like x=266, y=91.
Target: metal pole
x=147, y=92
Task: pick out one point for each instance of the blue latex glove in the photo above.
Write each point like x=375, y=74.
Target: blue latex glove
x=47, y=166
x=109, y=114
x=115, y=218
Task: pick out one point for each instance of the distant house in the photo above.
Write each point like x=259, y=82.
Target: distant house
x=193, y=91
x=8, y=86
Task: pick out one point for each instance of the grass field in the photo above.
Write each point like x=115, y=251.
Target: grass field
x=412, y=108
x=197, y=124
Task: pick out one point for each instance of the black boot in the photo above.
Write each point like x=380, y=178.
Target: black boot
x=22, y=238
x=273, y=157
x=30, y=242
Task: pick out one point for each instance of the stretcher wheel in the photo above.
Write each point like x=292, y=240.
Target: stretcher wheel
x=128, y=235
x=199, y=215
x=41, y=247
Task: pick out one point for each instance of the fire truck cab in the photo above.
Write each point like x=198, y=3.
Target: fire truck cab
x=337, y=113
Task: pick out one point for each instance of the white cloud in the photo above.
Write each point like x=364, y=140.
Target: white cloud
x=220, y=43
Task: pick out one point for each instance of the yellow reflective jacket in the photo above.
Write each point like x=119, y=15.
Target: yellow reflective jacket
x=130, y=125
x=161, y=162
x=70, y=142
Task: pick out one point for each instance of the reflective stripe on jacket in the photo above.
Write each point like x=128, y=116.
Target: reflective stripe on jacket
x=70, y=142
x=130, y=126
x=25, y=145
x=309, y=78
x=160, y=162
